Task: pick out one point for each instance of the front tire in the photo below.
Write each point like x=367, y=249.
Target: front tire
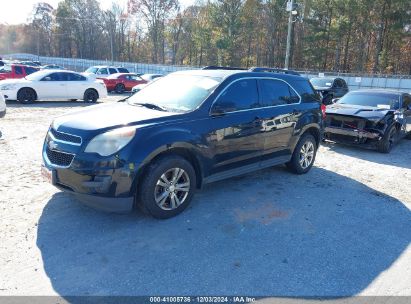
x=167, y=187
x=90, y=95
x=388, y=141
x=304, y=155
x=26, y=96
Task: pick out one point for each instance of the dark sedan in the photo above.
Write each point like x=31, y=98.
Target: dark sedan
x=329, y=88
x=372, y=118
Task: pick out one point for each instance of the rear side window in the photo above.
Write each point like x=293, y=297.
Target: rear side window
x=18, y=70
x=112, y=70
x=75, y=77
x=240, y=95
x=102, y=71
x=122, y=70
x=276, y=93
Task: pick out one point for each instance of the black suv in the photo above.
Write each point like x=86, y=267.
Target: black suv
x=189, y=128
x=330, y=88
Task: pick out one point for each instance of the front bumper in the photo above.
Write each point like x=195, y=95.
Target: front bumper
x=9, y=94
x=351, y=136
x=101, y=183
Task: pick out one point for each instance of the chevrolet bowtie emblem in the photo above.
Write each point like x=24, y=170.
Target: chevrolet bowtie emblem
x=52, y=145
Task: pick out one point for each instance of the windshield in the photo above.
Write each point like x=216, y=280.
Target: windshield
x=321, y=82
x=37, y=75
x=92, y=70
x=5, y=69
x=368, y=99
x=179, y=93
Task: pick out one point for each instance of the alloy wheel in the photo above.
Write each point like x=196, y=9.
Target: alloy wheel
x=306, y=154
x=172, y=189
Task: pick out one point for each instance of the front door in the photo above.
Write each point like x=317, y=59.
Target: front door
x=236, y=127
x=52, y=86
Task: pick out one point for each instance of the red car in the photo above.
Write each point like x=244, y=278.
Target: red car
x=16, y=71
x=121, y=82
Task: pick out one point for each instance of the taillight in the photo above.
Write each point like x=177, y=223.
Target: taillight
x=323, y=108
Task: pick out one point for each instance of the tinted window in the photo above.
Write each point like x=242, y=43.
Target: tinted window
x=240, y=95
x=112, y=71
x=54, y=77
x=75, y=77
x=102, y=71
x=406, y=102
x=276, y=92
x=30, y=70
x=18, y=70
x=306, y=91
x=122, y=70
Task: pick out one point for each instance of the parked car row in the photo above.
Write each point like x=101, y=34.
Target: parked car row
x=27, y=83
x=53, y=84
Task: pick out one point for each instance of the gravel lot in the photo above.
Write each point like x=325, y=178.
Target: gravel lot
x=343, y=229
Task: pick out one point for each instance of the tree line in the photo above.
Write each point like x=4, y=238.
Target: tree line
x=367, y=36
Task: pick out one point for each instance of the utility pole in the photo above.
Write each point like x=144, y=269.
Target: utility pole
x=290, y=7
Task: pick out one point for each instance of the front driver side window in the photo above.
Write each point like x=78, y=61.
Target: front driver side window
x=406, y=103
x=240, y=95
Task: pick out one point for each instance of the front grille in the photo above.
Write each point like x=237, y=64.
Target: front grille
x=65, y=137
x=345, y=122
x=59, y=158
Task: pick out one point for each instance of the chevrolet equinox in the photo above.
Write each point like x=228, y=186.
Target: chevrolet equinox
x=154, y=149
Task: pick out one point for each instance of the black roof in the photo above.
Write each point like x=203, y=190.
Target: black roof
x=224, y=73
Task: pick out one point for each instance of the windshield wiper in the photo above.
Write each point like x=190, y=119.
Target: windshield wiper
x=151, y=106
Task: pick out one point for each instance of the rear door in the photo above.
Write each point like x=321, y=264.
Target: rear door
x=281, y=111
x=76, y=85
x=235, y=137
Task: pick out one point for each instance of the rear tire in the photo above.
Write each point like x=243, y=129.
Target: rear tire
x=167, y=187
x=389, y=140
x=26, y=96
x=304, y=155
x=120, y=88
x=90, y=95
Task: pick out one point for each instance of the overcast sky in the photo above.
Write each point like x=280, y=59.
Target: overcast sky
x=17, y=11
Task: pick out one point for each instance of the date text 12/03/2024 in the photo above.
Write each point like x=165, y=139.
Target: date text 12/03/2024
x=201, y=299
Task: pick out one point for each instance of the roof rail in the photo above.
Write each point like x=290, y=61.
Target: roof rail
x=216, y=67
x=274, y=70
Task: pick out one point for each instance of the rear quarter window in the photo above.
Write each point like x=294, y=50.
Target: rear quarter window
x=306, y=91
x=122, y=70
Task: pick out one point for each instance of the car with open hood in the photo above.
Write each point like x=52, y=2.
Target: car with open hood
x=187, y=129
x=371, y=118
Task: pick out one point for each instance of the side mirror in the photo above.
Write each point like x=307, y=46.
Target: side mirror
x=334, y=100
x=47, y=78
x=217, y=110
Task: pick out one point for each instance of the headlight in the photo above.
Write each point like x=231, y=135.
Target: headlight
x=8, y=87
x=110, y=142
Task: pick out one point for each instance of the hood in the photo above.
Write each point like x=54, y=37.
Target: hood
x=108, y=116
x=13, y=81
x=369, y=113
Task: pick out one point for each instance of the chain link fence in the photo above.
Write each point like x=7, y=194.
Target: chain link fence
x=354, y=81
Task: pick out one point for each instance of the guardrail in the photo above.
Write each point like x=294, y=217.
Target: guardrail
x=354, y=81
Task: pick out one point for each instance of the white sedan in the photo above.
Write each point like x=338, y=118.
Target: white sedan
x=53, y=84
x=2, y=106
